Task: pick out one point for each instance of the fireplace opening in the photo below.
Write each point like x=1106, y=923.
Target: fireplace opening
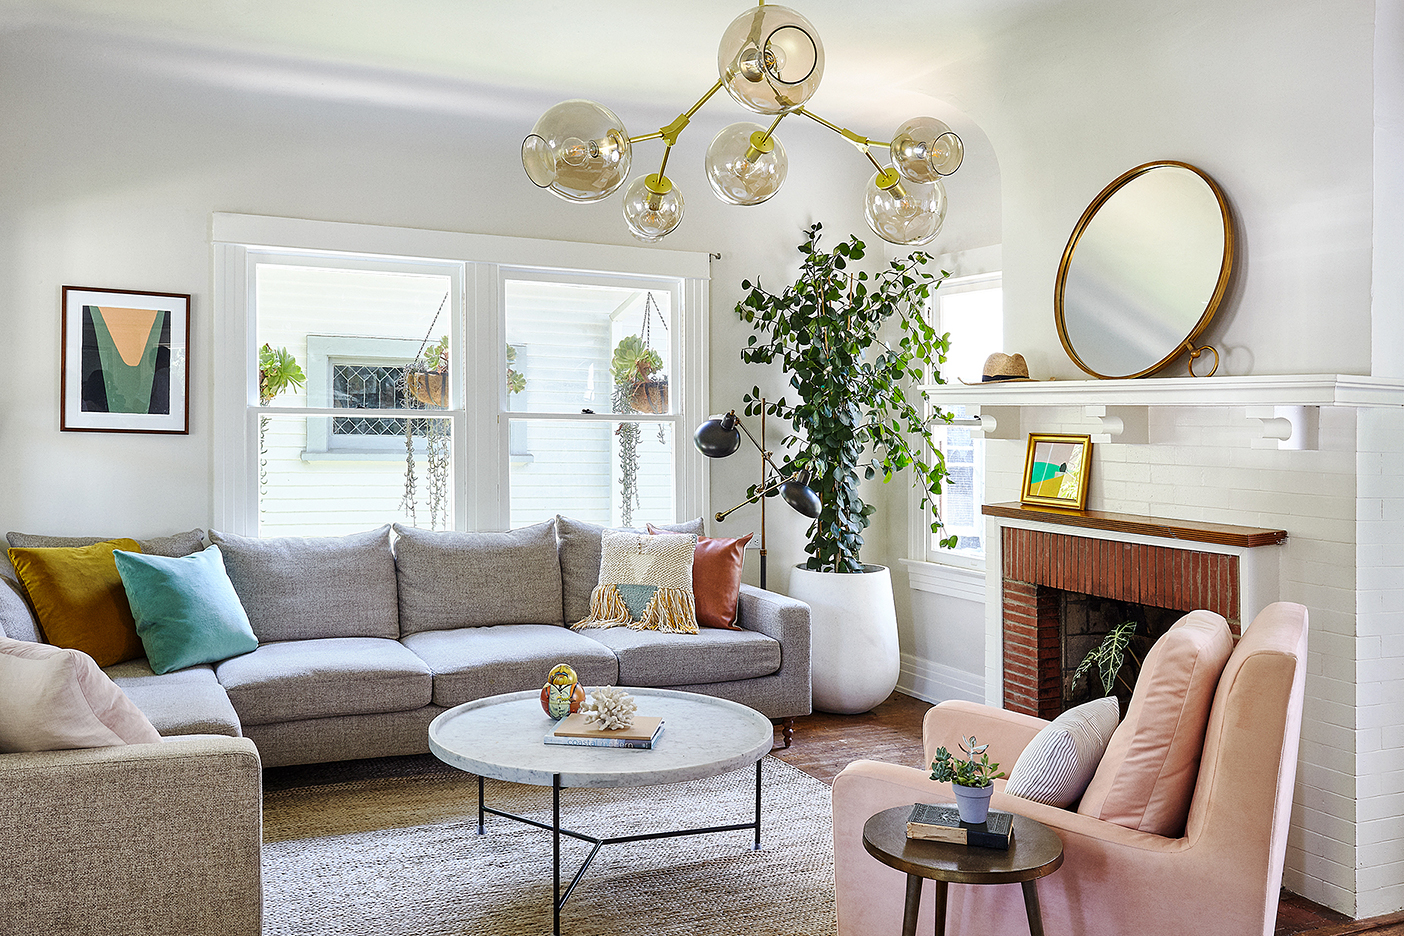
x=1085, y=621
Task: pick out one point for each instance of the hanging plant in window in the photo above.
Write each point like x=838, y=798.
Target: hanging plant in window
x=278, y=371
x=639, y=387
x=425, y=384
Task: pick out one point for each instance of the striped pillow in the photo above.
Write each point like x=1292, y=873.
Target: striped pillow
x=1060, y=760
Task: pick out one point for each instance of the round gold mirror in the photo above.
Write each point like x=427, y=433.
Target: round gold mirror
x=1144, y=271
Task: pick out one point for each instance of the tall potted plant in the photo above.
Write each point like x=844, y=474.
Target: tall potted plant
x=855, y=345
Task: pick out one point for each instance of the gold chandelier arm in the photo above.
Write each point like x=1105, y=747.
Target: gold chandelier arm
x=771, y=129
x=672, y=131
x=856, y=139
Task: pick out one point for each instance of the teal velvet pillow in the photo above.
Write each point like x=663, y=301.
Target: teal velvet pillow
x=185, y=608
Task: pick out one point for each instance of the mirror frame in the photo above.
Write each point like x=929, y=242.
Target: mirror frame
x=1220, y=288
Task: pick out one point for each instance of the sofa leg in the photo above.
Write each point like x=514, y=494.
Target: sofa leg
x=787, y=729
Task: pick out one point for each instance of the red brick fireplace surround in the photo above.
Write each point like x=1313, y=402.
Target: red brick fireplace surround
x=1038, y=564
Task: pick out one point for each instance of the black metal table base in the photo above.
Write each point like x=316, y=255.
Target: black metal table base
x=598, y=842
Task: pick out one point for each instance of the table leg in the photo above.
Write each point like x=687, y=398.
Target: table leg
x=482, y=829
x=940, y=908
x=758, y=797
x=909, y=915
x=1031, y=906
x=556, y=848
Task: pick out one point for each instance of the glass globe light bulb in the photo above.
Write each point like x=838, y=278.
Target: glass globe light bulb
x=578, y=150
x=905, y=213
x=744, y=166
x=924, y=149
x=653, y=207
x=770, y=59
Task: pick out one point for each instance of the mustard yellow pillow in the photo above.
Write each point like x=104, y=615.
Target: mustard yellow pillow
x=79, y=599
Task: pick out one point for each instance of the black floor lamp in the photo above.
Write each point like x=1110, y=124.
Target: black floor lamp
x=720, y=437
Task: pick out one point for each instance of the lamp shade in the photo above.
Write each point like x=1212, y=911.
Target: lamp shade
x=770, y=59
x=578, y=150
x=798, y=494
x=744, y=165
x=924, y=149
x=653, y=207
x=718, y=438
x=905, y=213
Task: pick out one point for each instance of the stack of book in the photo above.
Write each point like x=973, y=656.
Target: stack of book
x=941, y=823
x=643, y=733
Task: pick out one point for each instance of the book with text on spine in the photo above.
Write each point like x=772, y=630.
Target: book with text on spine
x=642, y=734
x=940, y=822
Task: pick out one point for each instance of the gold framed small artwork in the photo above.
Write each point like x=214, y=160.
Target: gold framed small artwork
x=1056, y=470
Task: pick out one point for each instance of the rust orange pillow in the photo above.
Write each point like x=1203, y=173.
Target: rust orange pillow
x=716, y=578
x=79, y=599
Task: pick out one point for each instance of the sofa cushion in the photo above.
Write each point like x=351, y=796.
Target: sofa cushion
x=580, y=560
x=716, y=578
x=475, y=662
x=300, y=679
x=449, y=580
x=52, y=698
x=305, y=587
x=1056, y=766
x=181, y=702
x=654, y=658
x=186, y=611
x=17, y=619
x=1147, y=776
x=78, y=597
x=177, y=544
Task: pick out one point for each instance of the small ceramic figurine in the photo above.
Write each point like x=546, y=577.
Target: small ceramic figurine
x=562, y=693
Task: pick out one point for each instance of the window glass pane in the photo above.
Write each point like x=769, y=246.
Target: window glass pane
x=973, y=314
x=381, y=318
x=311, y=494
x=583, y=469
x=564, y=339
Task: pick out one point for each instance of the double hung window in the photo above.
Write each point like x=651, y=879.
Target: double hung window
x=453, y=381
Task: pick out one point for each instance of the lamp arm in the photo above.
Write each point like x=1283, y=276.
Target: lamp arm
x=764, y=454
x=769, y=488
x=671, y=132
x=856, y=139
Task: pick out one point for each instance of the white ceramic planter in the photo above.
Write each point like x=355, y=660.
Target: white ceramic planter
x=853, y=621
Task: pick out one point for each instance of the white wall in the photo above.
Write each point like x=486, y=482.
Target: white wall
x=114, y=160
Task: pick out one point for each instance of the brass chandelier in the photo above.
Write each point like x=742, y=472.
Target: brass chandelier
x=770, y=61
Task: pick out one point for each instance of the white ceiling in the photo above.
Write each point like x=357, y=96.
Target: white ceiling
x=663, y=52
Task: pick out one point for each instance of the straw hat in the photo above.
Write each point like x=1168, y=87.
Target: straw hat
x=1000, y=368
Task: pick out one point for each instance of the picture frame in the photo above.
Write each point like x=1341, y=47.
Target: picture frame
x=124, y=361
x=1056, y=470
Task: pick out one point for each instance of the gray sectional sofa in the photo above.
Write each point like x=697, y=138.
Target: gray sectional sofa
x=361, y=645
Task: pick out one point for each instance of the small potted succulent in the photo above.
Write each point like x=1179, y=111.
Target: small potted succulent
x=971, y=779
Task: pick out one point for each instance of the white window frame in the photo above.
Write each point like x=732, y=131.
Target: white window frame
x=478, y=325
x=920, y=546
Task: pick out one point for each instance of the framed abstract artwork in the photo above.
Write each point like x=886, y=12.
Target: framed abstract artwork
x=1056, y=469
x=125, y=361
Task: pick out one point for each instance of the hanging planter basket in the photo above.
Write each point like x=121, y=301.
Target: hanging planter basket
x=650, y=396
x=429, y=388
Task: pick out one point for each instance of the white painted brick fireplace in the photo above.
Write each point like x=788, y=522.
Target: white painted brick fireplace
x=1195, y=449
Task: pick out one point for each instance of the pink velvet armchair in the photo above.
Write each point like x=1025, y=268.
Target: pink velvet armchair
x=1222, y=876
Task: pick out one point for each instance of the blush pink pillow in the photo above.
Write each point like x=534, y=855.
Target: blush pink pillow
x=53, y=699
x=1146, y=778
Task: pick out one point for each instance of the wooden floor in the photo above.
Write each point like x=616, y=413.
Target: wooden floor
x=824, y=744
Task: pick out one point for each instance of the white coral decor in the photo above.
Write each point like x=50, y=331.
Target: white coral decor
x=611, y=707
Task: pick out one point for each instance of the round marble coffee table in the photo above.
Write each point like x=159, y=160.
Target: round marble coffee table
x=501, y=737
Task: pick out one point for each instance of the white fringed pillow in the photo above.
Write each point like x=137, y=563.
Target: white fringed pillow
x=645, y=583
x=1059, y=762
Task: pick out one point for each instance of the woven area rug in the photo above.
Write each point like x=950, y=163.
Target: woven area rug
x=400, y=856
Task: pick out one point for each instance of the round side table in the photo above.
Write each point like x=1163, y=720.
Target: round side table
x=1035, y=852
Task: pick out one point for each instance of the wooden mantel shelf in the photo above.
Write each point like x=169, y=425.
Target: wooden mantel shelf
x=1223, y=534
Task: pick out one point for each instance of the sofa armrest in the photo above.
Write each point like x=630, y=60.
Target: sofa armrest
x=786, y=620
x=1007, y=733
x=134, y=839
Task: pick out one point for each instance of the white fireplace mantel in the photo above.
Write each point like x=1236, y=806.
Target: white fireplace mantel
x=1268, y=390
